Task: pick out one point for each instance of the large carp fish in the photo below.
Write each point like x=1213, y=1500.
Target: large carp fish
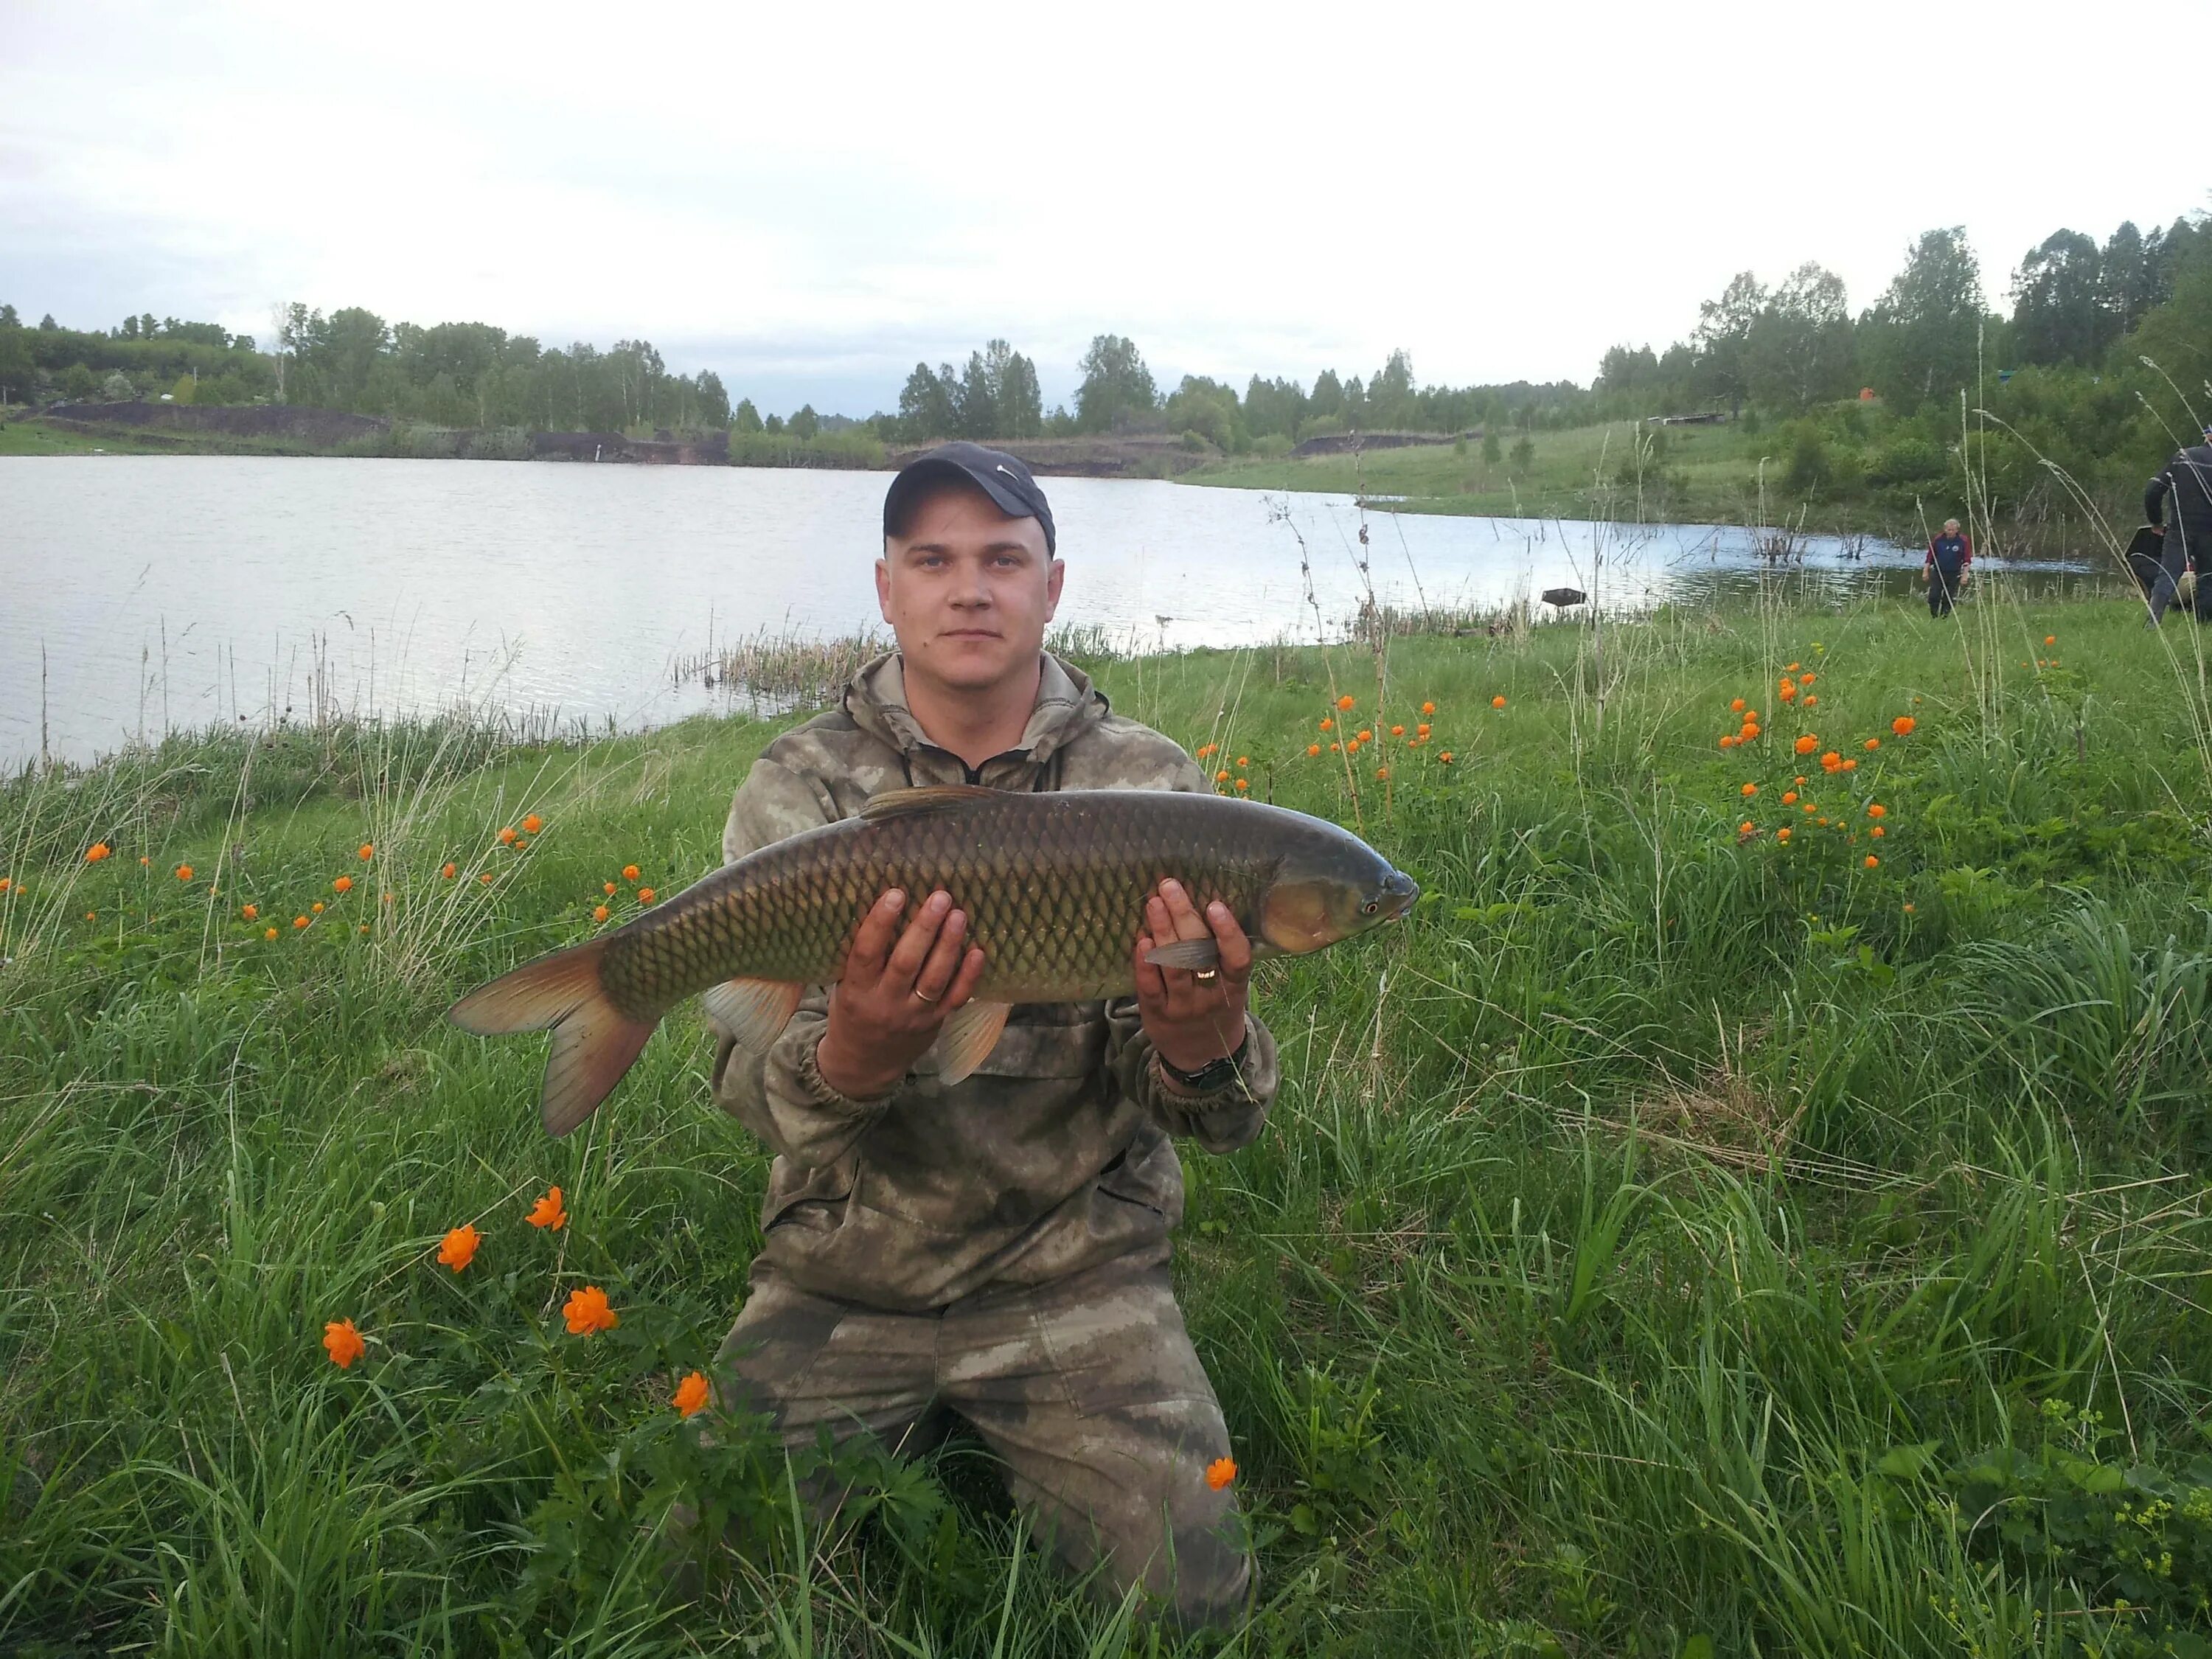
x=1054, y=886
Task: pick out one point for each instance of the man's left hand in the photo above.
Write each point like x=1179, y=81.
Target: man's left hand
x=1193, y=1016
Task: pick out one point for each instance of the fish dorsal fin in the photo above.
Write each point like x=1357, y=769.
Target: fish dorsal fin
x=917, y=803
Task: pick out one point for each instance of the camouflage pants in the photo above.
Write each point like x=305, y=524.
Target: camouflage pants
x=1087, y=1390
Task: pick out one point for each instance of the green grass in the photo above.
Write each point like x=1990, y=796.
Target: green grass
x=1665, y=1243
x=29, y=437
x=1573, y=473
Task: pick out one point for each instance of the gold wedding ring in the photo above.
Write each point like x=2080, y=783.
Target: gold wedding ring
x=920, y=997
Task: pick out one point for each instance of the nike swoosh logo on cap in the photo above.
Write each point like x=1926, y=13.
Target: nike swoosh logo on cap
x=1008, y=471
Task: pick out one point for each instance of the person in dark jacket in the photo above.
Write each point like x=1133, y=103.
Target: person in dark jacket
x=1944, y=569
x=2184, y=485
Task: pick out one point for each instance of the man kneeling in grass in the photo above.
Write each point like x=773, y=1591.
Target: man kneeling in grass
x=997, y=1250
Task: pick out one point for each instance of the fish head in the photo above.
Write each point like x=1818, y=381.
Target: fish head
x=1328, y=889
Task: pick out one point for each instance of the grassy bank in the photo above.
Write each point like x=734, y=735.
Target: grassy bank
x=1675, y=1239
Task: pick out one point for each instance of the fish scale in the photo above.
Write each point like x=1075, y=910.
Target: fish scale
x=1054, y=886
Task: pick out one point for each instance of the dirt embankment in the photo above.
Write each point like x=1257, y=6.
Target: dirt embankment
x=320, y=428
x=1131, y=456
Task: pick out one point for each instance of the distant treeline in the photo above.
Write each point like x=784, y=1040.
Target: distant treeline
x=455, y=375
x=1871, y=399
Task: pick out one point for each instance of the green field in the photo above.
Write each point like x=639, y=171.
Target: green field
x=1675, y=1240
x=25, y=437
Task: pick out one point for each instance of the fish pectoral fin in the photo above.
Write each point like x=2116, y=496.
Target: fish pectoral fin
x=917, y=803
x=752, y=1012
x=968, y=1038
x=1185, y=953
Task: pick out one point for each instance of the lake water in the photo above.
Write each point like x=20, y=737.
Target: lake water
x=146, y=592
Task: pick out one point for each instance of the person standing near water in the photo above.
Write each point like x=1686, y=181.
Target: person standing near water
x=1944, y=569
x=2186, y=480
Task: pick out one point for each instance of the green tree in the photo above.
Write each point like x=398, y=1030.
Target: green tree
x=2124, y=278
x=1723, y=340
x=1921, y=339
x=928, y=406
x=47, y=325
x=1015, y=394
x=1524, y=453
x=745, y=417
x=2059, y=309
x=1116, y=385
x=806, y=425
x=1492, y=451
x=1798, y=351
x=15, y=363
x=9, y=319
x=1208, y=408
x=78, y=381
x=1326, y=402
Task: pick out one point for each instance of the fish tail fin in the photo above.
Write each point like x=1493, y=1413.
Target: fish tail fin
x=594, y=1042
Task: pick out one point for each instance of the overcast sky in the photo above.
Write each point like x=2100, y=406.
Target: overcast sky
x=809, y=197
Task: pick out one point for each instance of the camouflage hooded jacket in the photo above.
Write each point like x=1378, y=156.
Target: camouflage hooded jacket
x=1054, y=1156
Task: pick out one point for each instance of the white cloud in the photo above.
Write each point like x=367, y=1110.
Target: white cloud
x=820, y=196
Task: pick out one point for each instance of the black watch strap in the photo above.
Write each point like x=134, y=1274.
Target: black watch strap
x=1214, y=1074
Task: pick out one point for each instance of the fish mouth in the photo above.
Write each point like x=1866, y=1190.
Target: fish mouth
x=1401, y=892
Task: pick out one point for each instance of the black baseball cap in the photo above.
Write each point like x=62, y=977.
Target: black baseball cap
x=997, y=474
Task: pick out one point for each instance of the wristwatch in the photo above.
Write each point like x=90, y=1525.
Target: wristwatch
x=1214, y=1074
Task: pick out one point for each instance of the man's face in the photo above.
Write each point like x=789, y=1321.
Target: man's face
x=967, y=590
x=1950, y=527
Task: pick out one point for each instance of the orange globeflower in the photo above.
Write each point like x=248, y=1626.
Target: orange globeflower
x=1832, y=762
x=1243, y=760
x=547, y=1212
x=1328, y=725
x=2050, y=639
x=249, y=913
x=506, y=836
x=1790, y=798
x=1783, y=833
x=459, y=1248
x=609, y=888
x=1221, y=776
x=1850, y=766
x=533, y=824
x=1747, y=827
x=298, y=922
x=317, y=906
x=367, y=851
x=1445, y=757
x=1903, y=725
x=1343, y=703
x=184, y=872
x=342, y=1342
x=1366, y=735
x=1397, y=730
x=1736, y=707
x=448, y=873
x=1497, y=702
x=1810, y=700
x=587, y=1312
x=691, y=1394
x=1876, y=810
x=1791, y=668
x=5, y=883
x=1750, y=730
x=1337, y=748
x=1806, y=679
x=1873, y=744
x=1243, y=785
x=1872, y=862
x=1877, y=832
x=1428, y=708
x=97, y=851
x=1788, y=691
x=1383, y=773
x=1313, y=748
x=484, y=878
x=1730, y=741
x=645, y=896
x=1220, y=1471
x=342, y=884
x=1808, y=743
x=599, y=913
x=269, y=932
x=1750, y=789
x=1422, y=730
x=629, y=873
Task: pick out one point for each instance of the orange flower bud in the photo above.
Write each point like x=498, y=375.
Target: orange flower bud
x=629, y=873
x=342, y=884
x=1344, y=703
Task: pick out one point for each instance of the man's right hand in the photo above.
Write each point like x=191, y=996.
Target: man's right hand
x=898, y=989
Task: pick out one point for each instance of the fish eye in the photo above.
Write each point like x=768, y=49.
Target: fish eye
x=1370, y=907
